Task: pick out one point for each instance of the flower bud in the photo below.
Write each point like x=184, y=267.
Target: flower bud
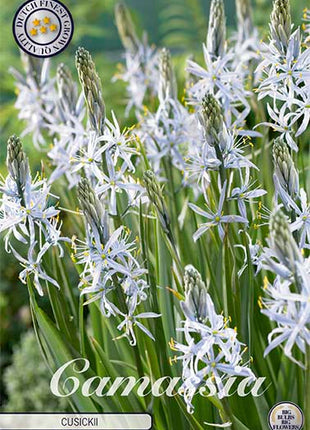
x=245, y=21
x=155, y=194
x=195, y=304
x=167, y=81
x=92, y=209
x=92, y=88
x=17, y=163
x=282, y=241
x=216, y=38
x=281, y=25
x=66, y=88
x=32, y=66
x=126, y=28
x=211, y=119
x=284, y=168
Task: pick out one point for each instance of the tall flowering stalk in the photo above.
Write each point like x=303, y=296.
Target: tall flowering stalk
x=247, y=44
x=219, y=142
x=286, y=72
x=212, y=349
x=245, y=19
x=36, y=96
x=219, y=76
x=27, y=216
x=216, y=38
x=111, y=274
x=67, y=127
x=287, y=301
x=169, y=131
x=141, y=71
x=92, y=89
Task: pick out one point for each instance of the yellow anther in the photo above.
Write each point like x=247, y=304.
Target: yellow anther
x=172, y=344
x=172, y=360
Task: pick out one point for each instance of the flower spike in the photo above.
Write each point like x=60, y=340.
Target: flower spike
x=92, y=88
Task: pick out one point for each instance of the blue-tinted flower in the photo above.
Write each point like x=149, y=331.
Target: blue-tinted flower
x=288, y=296
x=216, y=218
x=211, y=348
x=302, y=223
x=244, y=194
x=32, y=267
x=111, y=272
x=36, y=96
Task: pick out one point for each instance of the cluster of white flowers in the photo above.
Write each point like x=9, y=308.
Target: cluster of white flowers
x=196, y=144
x=102, y=154
x=247, y=44
x=286, y=77
x=27, y=216
x=141, y=71
x=67, y=127
x=212, y=348
x=36, y=96
x=220, y=151
x=99, y=150
x=171, y=130
x=222, y=76
x=287, y=301
x=106, y=159
x=288, y=295
x=287, y=70
x=111, y=272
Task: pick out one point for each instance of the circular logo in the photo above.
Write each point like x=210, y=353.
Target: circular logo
x=286, y=415
x=43, y=28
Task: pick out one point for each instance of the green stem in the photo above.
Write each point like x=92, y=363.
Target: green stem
x=222, y=167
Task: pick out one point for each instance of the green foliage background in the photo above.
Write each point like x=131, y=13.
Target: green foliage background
x=179, y=24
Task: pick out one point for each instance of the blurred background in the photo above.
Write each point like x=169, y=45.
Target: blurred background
x=180, y=25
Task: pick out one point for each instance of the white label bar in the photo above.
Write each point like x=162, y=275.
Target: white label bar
x=75, y=421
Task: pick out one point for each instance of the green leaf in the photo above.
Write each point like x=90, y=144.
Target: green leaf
x=60, y=352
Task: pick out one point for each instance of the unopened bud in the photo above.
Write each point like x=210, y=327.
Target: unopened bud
x=92, y=209
x=66, y=88
x=32, y=66
x=17, y=163
x=92, y=88
x=284, y=168
x=195, y=304
x=126, y=28
x=167, y=81
x=155, y=194
x=211, y=119
x=245, y=21
x=281, y=24
x=282, y=241
x=216, y=39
